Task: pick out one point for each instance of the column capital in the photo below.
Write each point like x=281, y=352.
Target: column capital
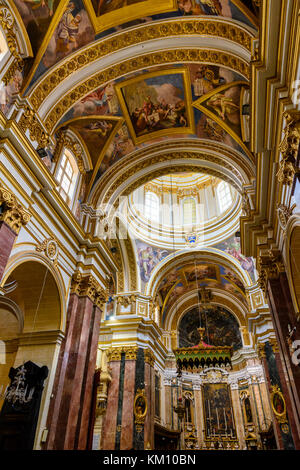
x=130, y=352
x=261, y=350
x=11, y=212
x=87, y=286
x=274, y=345
x=269, y=266
x=149, y=357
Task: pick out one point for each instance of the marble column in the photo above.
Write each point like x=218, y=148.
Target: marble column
x=12, y=217
x=126, y=442
x=69, y=413
x=199, y=417
x=238, y=416
x=110, y=420
x=150, y=395
x=284, y=318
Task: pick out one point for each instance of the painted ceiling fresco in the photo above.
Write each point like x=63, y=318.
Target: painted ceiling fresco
x=160, y=104
x=221, y=328
x=57, y=28
x=182, y=280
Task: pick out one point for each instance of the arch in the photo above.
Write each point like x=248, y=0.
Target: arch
x=157, y=160
x=205, y=255
x=190, y=300
x=26, y=257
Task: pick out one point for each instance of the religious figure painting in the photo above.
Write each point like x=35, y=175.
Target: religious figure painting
x=101, y=7
x=36, y=16
x=9, y=91
x=226, y=8
x=225, y=105
x=94, y=133
x=156, y=104
x=232, y=246
x=221, y=328
x=219, y=419
x=148, y=258
x=120, y=146
x=73, y=31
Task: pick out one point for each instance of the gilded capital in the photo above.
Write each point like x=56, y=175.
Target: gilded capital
x=274, y=345
x=114, y=354
x=11, y=212
x=269, y=267
x=261, y=350
x=130, y=352
x=88, y=286
x=149, y=357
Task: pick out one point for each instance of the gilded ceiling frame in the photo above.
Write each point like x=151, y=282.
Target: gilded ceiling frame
x=172, y=28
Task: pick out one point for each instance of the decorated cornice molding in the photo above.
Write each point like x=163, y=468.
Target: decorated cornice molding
x=11, y=212
x=169, y=28
x=269, y=266
x=88, y=286
x=126, y=300
x=289, y=148
x=139, y=63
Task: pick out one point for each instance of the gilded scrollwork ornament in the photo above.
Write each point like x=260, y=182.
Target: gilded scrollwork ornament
x=269, y=266
x=50, y=248
x=11, y=212
x=289, y=148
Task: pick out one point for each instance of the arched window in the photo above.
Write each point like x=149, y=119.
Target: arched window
x=67, y=176
x=224, y=196
x=152, y=206
x=189, y=211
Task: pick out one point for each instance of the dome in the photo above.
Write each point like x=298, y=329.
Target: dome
x=171, y=208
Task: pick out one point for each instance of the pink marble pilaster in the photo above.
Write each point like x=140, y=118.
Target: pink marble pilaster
x=127, y=409
x=110, y=421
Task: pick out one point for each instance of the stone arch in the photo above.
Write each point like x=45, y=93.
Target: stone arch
x=292, y=258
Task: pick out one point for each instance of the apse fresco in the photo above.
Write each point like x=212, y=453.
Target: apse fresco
x=36, y=16
x=148, y=257
x=155, y=103
x=9, y=91
x=94, y=132
x=221, y=328
x=232, y=246
x=101, y=7
x=218, y=410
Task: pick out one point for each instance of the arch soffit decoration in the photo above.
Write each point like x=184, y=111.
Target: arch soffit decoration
x=190, y=300
x=24, y=257
x=141, y=166
x=226, y=44
x=206, y=255
x=126, y=244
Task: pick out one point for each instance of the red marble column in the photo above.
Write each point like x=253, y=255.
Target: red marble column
x=110, y=421
x=150, y=395
x=69, y=413
x=126, y=442
x=283, y=315
x=7, y=238
x=277, y=431
x=58, y=387
x=285, y=392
